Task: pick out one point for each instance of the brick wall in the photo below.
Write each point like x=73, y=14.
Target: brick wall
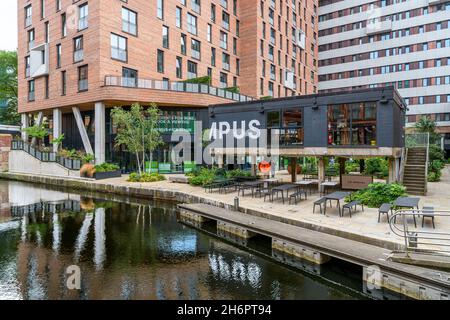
x=5, y=147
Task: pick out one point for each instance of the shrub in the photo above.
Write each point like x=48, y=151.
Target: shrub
x=436, y=153
x=202, y=177
x=238, y=173
x=378, y=193
x=146, y=177
x=106, y=167
x=351, y=167
x=377, y=166
x=434, y=176
x=434, y=170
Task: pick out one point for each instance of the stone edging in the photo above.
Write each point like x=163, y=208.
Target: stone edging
x=178, y=196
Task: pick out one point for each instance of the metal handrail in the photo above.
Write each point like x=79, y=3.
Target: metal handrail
x=426, y=162
x=46, y=156
x=430, y=240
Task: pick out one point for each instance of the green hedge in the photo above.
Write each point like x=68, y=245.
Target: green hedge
x=146, y=177
x=378, y=193
x=106, y=167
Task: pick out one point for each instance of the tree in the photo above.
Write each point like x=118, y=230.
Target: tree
x=37, y=131
x=137, y=131
x=8, y=87
x=427, y=125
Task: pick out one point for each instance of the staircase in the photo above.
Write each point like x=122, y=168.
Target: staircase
x=415, y=171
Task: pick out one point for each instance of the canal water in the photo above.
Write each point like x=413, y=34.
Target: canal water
x=137, y=249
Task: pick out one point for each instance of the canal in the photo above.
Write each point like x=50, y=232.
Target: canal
x=137, y=249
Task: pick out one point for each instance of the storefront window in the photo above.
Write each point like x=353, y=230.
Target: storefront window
x=292, y=130
x=273, y=119
x=352, y=124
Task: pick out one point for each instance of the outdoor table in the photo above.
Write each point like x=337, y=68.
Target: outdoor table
x=408, y=202
x=282, y=188
x=331, y=184
x=307, y=183
x=249, y=185
x=270, y=181
x=337, y=196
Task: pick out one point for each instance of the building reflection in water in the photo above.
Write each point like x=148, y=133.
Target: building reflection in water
x=129, y=250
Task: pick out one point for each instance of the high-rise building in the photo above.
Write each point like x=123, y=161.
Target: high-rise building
x=404, y=43
x=79, y=58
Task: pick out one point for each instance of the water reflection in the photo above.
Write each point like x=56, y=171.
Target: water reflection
x=128, y=250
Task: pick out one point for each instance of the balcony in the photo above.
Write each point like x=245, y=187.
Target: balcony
x=376, y=26
x=434, y=2
x=39, y=61
x=117, y=81
x=78, y=55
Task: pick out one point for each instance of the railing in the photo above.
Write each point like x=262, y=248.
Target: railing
x=403, y=160
x=177, y=87
x=424, y=239
x=414, y=140
x=45, y=156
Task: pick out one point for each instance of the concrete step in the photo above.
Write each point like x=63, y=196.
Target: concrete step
x=432, y=260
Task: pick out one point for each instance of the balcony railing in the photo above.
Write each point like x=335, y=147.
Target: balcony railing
x=116, y=81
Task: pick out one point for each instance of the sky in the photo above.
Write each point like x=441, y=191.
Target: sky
x=8, y=24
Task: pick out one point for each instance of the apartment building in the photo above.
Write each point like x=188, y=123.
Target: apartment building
x=403, y=43
x=78, y=59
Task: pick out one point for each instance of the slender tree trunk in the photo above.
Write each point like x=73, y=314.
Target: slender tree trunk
x=138, y=163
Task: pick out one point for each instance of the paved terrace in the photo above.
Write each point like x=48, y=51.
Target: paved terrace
x=363, y=226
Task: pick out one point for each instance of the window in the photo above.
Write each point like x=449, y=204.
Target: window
x=63, y=25
x=47, y=88
x=178, y=17
x=160, y=61
x=58, y=55
x=226, y=61
x=28, y=16
x=165, y=37
x=192, y=70
x=291, y=133
x=129, y=21
x=119, y=48
x=225, y=20
x=58, y=5
x=179, y=67
x=192, y=23
x=42, y=9
x=129, y=77
x=27, y=66
x=31, y=90
x=183, y=44
x=47, y=32
x=195, y=49
x=213, y=57
x=223, y=40
x=195, y=5
x=223, y=80
x=352, y=124
x=209, y=33
x=160, y=9
x=83, y=78
x=213, y=12
x=63, y=83
x=83, y=12
x=31, y=37
x=78, y=51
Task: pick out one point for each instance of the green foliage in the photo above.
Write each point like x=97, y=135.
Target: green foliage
x=426, y=125
x=58, y=141
x=238, y=173
x=351, y=166
x=434, y=170
x=8, y=87
x=146, y=177
x=87, y=158
x=106, y=167
x=137, y=131
x=37, y=131
x=233, y=89
x=76, y=155
x=436, y=153
x=199, y=80
x=378, y=193
x=377, y=166
x=202, y=177
x=266, y=98
x=434, y=176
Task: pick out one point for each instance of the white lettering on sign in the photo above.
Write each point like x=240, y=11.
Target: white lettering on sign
x=223, y=128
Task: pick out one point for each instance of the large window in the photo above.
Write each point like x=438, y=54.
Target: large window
x=118, y=47
x=129, y=77
x=83, y=78
x=83, y=12
x=288, y=125
x=129, y=21
x=352, y=124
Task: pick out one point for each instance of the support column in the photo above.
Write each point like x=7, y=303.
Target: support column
x=253, y=165
x=100, y=133
x=82, y=130
x=57, y=126
x=220, y=161
x=341, y=169
x=321, y=172
x=392, y=170
x=293, y=169
x=40, y=118
x=24, y=120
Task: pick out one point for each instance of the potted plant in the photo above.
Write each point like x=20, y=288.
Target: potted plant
x=106, y=171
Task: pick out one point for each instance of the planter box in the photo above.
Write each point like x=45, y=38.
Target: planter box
x=107, y=175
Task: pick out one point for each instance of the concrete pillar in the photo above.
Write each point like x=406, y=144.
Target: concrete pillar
x=82, y=130
x=321, y=171
x=24, y=120
x=393, y=174
x=220, y=161
x=57, y=126
x=293, y=169
x=100, y=133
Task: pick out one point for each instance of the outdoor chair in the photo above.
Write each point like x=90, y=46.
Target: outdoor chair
x=428, y=212
x=385, y=209
x=297, y=196
x=352, y=205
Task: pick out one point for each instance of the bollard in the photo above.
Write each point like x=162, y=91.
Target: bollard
x=236, y=204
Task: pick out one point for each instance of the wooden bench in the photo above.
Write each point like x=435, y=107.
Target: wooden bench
x=297, y=196
x=349, y=206
x=384, y=209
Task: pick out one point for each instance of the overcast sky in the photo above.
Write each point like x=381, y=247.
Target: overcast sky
x=8, y=24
